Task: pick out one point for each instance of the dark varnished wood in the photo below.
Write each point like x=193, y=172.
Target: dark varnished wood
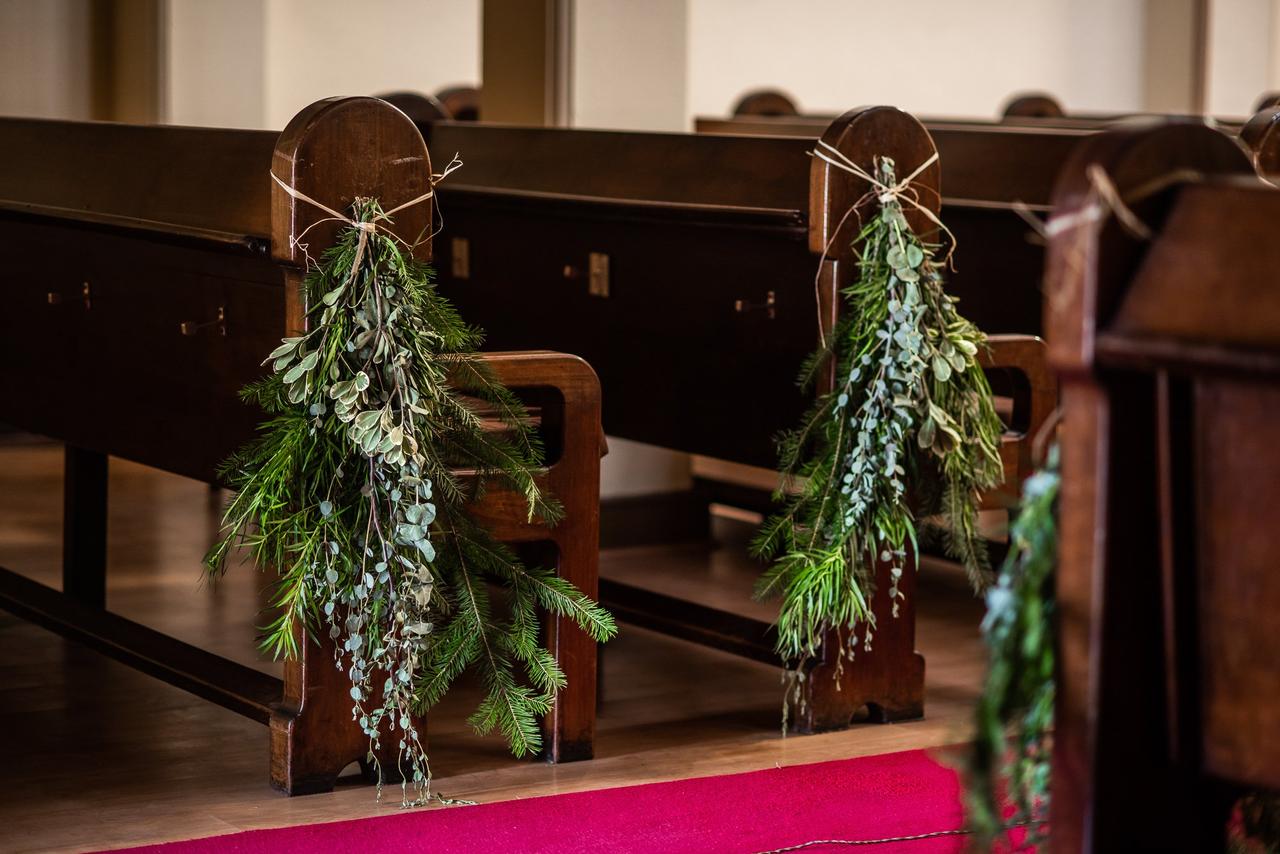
x=203, y=183
x=888, y=678
x=1168, y=350
x=1033, y=105
x=84, y=530
x=1261, y=135
x=233, y=686
x=766, y=102
x=136, y=345
x=418, y=106
x=461, y=102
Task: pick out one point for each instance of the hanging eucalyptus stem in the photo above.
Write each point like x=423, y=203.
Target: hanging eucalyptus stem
x=909, y=431
x=351, y=493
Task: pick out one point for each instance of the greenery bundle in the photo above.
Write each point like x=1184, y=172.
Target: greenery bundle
x=1010, y=757
x=351, y=494
x=909, y=431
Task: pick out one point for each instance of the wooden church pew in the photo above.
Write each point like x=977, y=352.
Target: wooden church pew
x=1167, y=346
x=153, y=269
x=682, y=267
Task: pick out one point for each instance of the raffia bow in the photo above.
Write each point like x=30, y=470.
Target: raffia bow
x=365, y=227
x=900, y=191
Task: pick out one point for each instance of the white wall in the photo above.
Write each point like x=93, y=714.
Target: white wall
x=319, y=48
x=1240, y=56
x=44, y=59
x=629, y=64
x=939, y=57
x=215, y=63
x=255, y=63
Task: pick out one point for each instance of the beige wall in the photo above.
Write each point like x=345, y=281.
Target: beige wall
x=319, y=48
x=45, y=58
x=630, y=63
x=940, y=57
x=255, y=63
x=1240, y=54
x=215, y=64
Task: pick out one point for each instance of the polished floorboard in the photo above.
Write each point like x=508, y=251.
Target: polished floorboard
x=96, y=755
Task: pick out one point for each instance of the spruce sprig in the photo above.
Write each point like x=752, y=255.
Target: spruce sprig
x=352, y=493
x=908, y=432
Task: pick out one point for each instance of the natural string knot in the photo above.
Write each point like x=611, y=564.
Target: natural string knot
x=883, y=193
x=1105, y=199
x=899, y=191
x=365, y=227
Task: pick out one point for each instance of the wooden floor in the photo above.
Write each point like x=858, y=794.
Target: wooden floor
x=98, y=756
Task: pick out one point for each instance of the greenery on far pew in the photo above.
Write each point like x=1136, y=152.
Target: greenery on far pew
x=909, y=431
x=1010, y=761
x=351, y=492
x=1010, y=758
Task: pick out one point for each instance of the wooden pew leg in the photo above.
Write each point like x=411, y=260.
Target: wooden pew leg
x=569, y=731
x=84, y=527
x=888, y=679
x=313, y=736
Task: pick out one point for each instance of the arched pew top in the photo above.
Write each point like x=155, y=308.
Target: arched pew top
x=766, y=102
x=340, y=149
x=462, y=103
x=1143, y=165
x=1033, y=105
x=863, y=135
x=1265, y=100
x=1261, y=135
x=420, y=108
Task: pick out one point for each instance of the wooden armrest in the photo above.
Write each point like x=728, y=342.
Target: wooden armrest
x=1027, y=357
x=570, y=375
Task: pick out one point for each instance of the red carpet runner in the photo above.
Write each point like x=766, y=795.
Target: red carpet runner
x=874, y=797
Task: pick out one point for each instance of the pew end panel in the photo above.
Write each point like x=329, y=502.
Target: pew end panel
x=887, y=679
x=1020, y=364
x=569, y=392
x=1154, y=457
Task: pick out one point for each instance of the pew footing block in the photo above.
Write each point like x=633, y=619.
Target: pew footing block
x=568, y=751
x=889, y=695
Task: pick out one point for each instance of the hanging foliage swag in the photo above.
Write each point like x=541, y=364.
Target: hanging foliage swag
x=351, y=494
